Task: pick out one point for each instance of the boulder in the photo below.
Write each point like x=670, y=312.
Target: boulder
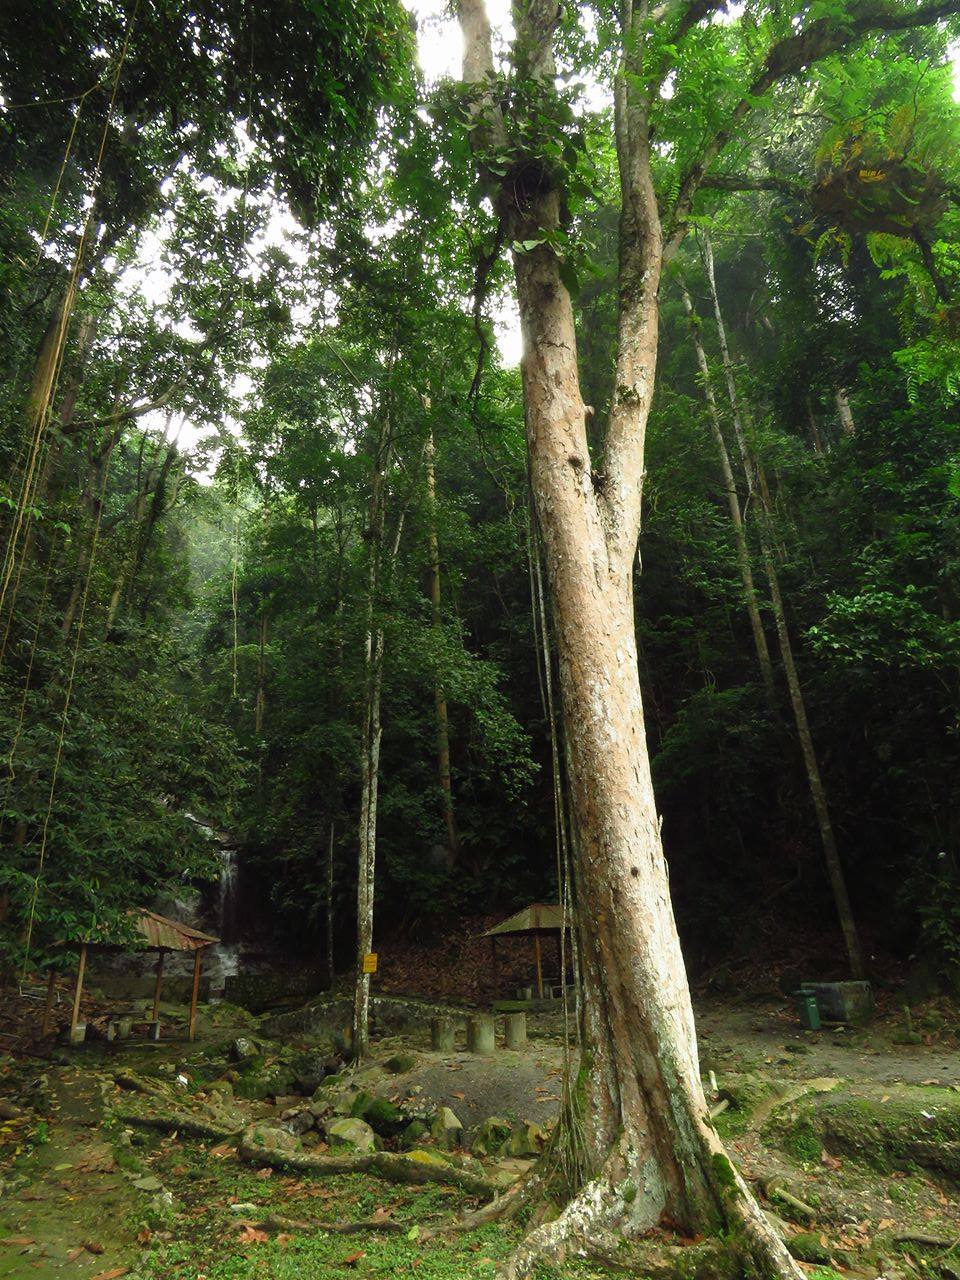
x=525, y=1141
x=806, y=1246
x=447, y=1129
x=310, y=1068
x=415, y=1132
x=243, y=1049
x=383, y=1117
x=341, y=1103
x=350, y=1131
x=270, y=1137
x=400, y=1063
x=258, y=1084
x=298, y=1120
x=490, y=1136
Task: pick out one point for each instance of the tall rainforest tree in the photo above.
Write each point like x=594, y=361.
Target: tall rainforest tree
x=651, y=1150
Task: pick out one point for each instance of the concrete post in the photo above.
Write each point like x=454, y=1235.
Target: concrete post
x=481, y=1034
x=516, y=1024
x=442, y=1035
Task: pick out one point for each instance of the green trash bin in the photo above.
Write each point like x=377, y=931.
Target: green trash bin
x=808, y=1010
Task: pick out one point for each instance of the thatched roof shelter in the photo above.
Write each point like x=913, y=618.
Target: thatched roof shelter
x=152, y=932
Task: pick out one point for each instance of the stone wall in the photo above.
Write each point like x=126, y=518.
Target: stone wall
x=333, y=1014
x=258, y=991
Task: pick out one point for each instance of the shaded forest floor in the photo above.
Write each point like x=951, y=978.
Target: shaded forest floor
x=851, y=1139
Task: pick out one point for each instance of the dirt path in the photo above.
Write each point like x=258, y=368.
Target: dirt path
x=75, y=1207
x=761, y=1036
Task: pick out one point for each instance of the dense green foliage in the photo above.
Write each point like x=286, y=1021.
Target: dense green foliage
x=283, y=247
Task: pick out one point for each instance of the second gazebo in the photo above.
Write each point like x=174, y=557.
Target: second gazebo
x=539, y=920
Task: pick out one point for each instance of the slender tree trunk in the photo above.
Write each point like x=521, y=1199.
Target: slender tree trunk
x=649, y=1143
x=733, y=504
x=844, y=412
x=366, y=876
x=440, y=701
x=371, y=727
x=815, y=436
x=260, y=707
x=330, y=845
x=810, y=762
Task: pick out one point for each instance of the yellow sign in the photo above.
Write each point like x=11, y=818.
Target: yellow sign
x=370, y=962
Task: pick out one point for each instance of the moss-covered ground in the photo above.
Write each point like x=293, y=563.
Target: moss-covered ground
x=858, y=1169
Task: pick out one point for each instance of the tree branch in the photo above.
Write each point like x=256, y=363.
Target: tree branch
x=127, y=413
x=745, y=182
x=821, y=38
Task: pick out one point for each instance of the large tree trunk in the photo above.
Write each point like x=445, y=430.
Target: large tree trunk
x=648, y=1135
x=439, y=697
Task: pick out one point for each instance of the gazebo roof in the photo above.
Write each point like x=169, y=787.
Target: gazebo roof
x=155, y=933
x=169, y=935
x=539, y=917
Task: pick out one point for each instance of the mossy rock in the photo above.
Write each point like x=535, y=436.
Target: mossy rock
x=415, y=1132
x=360, y=1103
x=490, y=1137
x=915, y=1126
x=257, y=1086
x=400, y=1063
x=807, y=1246
x=384, y=1118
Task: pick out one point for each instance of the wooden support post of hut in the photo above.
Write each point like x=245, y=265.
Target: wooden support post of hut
x=155, y=1015
x=48, y=1004
x=536, y=921
x=78, y=991
x=151, y=932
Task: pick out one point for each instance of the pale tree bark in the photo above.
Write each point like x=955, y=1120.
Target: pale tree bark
x=381, y=563
x=733, y=504
x=440, y=700
x=647, y=1129
x=649, y=1142
x=370, y=737
x=844, y=411
x=818, y=796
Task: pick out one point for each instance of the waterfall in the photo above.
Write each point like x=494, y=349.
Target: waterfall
x=225, y=956
x=228, y=905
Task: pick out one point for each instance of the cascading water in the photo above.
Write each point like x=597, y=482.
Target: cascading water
x=225, y=956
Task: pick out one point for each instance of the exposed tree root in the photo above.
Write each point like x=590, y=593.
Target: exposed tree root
x=385, y=1226
x=504, y=1208
x=179, y=1122
x=609, y=1219
x=394, y=1168
x=775, y=1190
x=659, y=1260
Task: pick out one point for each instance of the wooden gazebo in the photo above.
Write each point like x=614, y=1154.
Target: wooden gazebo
x=152, y=933
x=539, y=920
